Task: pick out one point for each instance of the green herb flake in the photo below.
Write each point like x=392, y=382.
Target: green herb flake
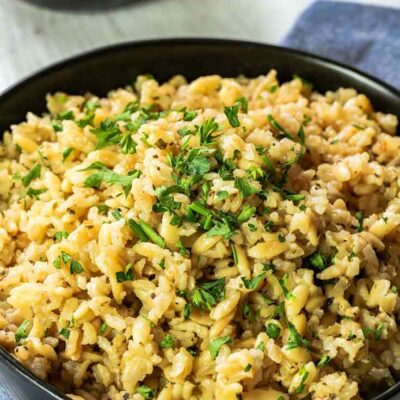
x=146, y=392
x=261, y=346
x=360, y=219
x=295, y=339
x=151, y=234
x=394, y=289
x=66, y=153
x=208, y=294
x=35, y=193
x=21, y=333
x=103, y=328
x=206, y=130
x=273, y=330
x=245, y=188
x=318, y=261
x=246, y=213
x=232, y=115
x=279, y=127
x=108, y=176
x=283, y=283
x=162, y=264
x=325, y=359
x=60, y=235
x=253, y=284
x=65, y=332
x=189, y=115
x=247, y=368
x=304, y=375
x=75, y=267
x=167, y=342
x=378, y=332
x=34, y=173
x=216, y=345
x=116, y=214
x=103, y=209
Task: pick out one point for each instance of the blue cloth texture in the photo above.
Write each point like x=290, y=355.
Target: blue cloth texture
x=363, y=36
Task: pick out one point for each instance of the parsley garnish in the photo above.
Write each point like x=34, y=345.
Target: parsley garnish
x=273, y=331
x=66, y=153
x=232, y=115
x=127, y=275
x=246, y=213
x=31, y=175
x=151, y=233
x=279, y=127
x=318, y=261
x=21, y=333
x=296, y=340
x=189, y=115
x=378, y=332
x=167, y=342
x=35, y=193
x=216, y=344
x=283, y=283
x=252, y=284
x=60, y=235
x=145, y=391
x=247, y=368
x=208, y=294
x=323, y=361
x=360, y=219
x=206, y=130
x=304, y=375
x=65, y=332
x=103, y=209
x=245, y=188
x=108, y=176
x=103, y=328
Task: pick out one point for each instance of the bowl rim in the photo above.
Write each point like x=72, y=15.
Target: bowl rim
x=193, y=41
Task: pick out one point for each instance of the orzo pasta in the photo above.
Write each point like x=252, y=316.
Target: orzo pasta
x=220, y=239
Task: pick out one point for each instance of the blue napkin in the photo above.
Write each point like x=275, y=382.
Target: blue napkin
x=366, y=37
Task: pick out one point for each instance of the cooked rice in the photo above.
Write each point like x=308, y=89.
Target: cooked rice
x=263, y=265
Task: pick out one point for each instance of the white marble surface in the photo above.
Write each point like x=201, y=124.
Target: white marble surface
x=31, y=37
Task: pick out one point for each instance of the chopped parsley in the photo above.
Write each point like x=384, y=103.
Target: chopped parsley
x=283, y=284
x=295, y=339
x=216, y=345
x=323, y=361
x=35, y=193
x=146, y=392
x=103, y=328
x=66, y=153
x=127, y=275
x=21, y=333
x=103, y=209
x=248, y=367
x=253, y=284
x=167, y=342
x=34, y=173
x=189, y=115
x=278, y=127
x=65, y=332
x=60, y=235
x=208, y=294
x=378, y=332
x=360, y=219
x=273, y=330
x=206, y=130
x=246, y=213
x=232, y=115
x=108, y=176
x=245, y=188
x=304, y=375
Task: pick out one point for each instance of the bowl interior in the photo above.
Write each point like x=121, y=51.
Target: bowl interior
x=117, y=66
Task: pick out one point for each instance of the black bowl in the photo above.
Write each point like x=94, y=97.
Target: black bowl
x=116, y=66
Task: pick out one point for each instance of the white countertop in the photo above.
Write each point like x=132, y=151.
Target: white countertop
x=31, y=37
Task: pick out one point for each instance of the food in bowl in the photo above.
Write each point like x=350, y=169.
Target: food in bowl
x=219, y=239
